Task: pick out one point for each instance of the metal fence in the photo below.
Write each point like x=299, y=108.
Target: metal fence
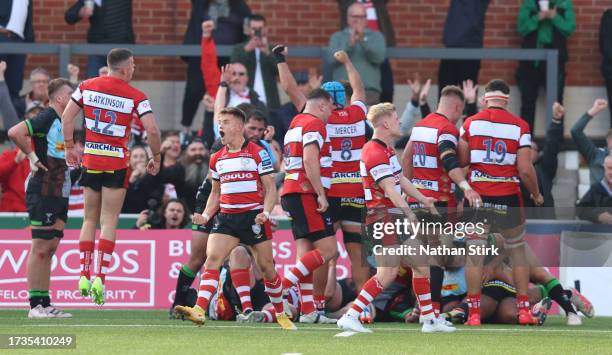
x=65, y=51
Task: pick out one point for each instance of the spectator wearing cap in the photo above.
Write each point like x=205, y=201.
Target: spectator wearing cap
x=15, y=27
x=256, y=55
x=281, y=119
x=38, y=96
x=366, y=49
x=110, y=21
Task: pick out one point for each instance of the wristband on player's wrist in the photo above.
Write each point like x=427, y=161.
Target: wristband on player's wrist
x=206, y=216
x=32, y=157
x=224, y=84
x=278, y=54
x=267, y=214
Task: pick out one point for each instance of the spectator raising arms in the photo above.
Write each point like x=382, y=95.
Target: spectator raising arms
x=605, y=47
x=592, y=154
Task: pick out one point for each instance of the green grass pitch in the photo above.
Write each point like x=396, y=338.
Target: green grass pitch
x=118, y=332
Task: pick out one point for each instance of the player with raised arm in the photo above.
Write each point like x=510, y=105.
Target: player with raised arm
x=47, y=188
x=383, y=184
x=107, y=103
x=430, y=161
x=244, y=193
x=496, y=146
x=346, y=128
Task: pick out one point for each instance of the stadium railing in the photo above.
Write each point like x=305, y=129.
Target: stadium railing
x=65, y=51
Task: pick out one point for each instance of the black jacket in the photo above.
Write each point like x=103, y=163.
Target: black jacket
x=5, y=15
x=465, y=22
x=546, y=170
x=111, y=23
x=605, y=43
x=595, y=202
x=228, y=30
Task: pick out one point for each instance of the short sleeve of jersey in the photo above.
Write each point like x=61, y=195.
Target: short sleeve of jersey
x=213, y=167
x=40, y=124
x=358, y=109
x=267, y=147
x=465, y=130
x=77, y=95
x=525, y=138
x=314, y=132
x=142, y=104
x=378, y=166
x=264, y=163
x=448, y=133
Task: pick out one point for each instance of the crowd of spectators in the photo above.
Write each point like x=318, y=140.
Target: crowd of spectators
x=365, y=33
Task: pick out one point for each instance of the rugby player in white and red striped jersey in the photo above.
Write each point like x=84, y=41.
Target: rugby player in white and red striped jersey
x=383, y=184
x=346, y=130
x=108, y=103
x=244, y=193
x=496, y=146
x=430, y=161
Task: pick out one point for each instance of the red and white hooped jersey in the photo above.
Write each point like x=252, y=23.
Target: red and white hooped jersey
x=428, y=174
x=494, y=136
x=305, y=129
x=346, y=129
x=239, y=174
x=108, y=104
x=378, y=161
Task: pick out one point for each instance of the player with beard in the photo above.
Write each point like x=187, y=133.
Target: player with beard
x=347, y=132
x=195, y=166
x=244, y=193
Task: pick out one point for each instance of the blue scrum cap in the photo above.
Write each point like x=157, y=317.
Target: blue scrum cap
x=337, y=92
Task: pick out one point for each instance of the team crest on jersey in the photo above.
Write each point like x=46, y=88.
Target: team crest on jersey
x=244, y=162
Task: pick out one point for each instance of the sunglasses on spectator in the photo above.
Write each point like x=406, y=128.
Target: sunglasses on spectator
x=239, y=73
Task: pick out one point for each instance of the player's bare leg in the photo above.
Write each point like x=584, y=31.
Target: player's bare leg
x=188, y=271
x=112, y=201
x=39, y=271
x=242, y=270
x=386, y=272
x=87, y=237
x=218, y=248
x=273, y=283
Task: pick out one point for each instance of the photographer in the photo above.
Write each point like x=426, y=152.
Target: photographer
x=173, y=214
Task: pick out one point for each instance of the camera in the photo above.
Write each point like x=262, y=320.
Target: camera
x=257, y=32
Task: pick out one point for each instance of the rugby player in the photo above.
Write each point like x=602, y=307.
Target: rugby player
x=383, y=184
x=108, y=103
x=346, y=128
x=244, y=192
x=47, y=189
x=430, y=161
x=496, y=146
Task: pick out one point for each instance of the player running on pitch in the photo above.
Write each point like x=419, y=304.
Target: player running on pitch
x=245, y=192
x=107, y=104
x=383, y=184
x=496, y=145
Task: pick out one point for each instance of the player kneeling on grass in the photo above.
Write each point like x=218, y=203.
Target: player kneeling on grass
x=383, y=183
x=46, y=193
x=244, y=190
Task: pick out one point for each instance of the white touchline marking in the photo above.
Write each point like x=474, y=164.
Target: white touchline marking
x=459, y=330
x=345, y=334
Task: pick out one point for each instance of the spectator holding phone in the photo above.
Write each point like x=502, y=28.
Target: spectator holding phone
x=256, y=55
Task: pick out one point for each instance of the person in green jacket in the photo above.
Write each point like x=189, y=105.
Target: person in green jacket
x=546, y=25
